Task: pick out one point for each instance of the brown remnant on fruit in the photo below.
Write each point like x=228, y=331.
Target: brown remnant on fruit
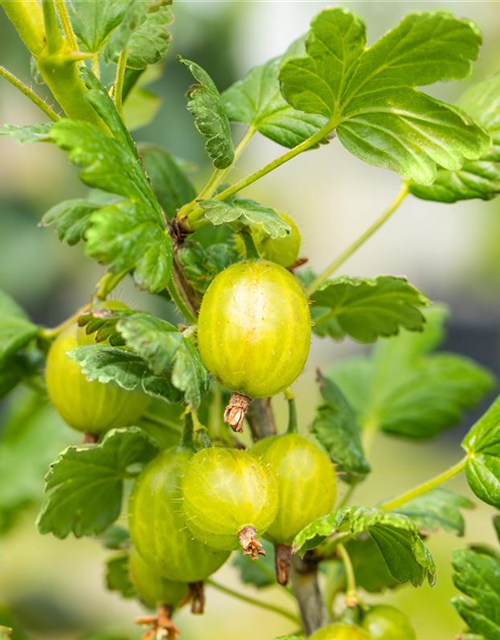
x=197, y=596
x=251, y=546
x=161, y=625
x=90, y=438
x=282, y=561
x=236, y=411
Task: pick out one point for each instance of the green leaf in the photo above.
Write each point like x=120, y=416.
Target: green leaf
x=107, y=163
x=482, y=444
x=336, y=428
x=71, y=219
x=127, y=369
x=12, y=371
x=143, y=32
x=117, y=576
x=150, y=42
x=27, y=134
x=369, y=565
x=15, y=328
x=258, y=574
x=168, y=353
x=368, y=94
x=405, y=390
x=248, y=212
x=367, y=308
x=172, y=186
x=141, y=105
x=85, y=484
x=477, y=576
x=94, y=20
x=437, y=509
x=477, y=178
x=32, y=434
x=257, y=101
x=201, y=264
x=210, y=117
x=396, y=537
x=128, y=237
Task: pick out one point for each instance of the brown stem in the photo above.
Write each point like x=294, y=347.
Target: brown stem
x=161, y=624
x=251, y=546
x=282, y=560
x=304, y=574
x=236, y=410
x=197, y=595
x=261, y=419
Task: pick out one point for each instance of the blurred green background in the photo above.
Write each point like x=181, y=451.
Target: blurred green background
x=54, y=590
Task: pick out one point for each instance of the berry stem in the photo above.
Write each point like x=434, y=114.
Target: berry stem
x=292, y=416
x=343, y=257
x=250, y=248
x=351, y=593
x=403, y=498
x=254, y=601
x=29, y=93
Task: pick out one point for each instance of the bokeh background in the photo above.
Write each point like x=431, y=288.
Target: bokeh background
x=53, y=590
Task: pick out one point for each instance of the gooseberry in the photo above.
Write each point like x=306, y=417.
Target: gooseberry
x=283, y=251
x=340, y=632
x=230, y=498
x=384, y=622
x=91, y=407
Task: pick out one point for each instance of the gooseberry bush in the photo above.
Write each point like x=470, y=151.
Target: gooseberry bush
x=161, y=407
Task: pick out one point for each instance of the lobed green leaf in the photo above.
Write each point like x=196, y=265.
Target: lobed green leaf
x=369, y=96
x=257, y=101
x=210, y=117
x=367, y=308
x=397, y=538
x=85, y=484
x=405, y=390
x=482, y=444
x=248, y=212
x=117, y=576
x=27, y=134
x=94, y=20
x=437, y=509
x=477, y=178
x=477, y=576
x=71, y=218
x=336, y=428
x=201, y=264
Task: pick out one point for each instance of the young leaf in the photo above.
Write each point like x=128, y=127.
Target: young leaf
x=336, y=428
x=172, y=186
x=396, y=537
x=477, y=576
x=85, y=484
x=477, y=178
x=167, y=352
x=27, y=134
x=127, y=369
x=482, y=444
x=405, y=390
x=201, y=264
x=15, y=328
x=94, y=20
x=437, y=509
x=368, y=94
x=117, y=575
x=150, y=42
x=128, y=237
x=247, y=212
x=257, y=101
x=210, y=117
x=366, y=309
x=143, y=32
x=71, y=219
